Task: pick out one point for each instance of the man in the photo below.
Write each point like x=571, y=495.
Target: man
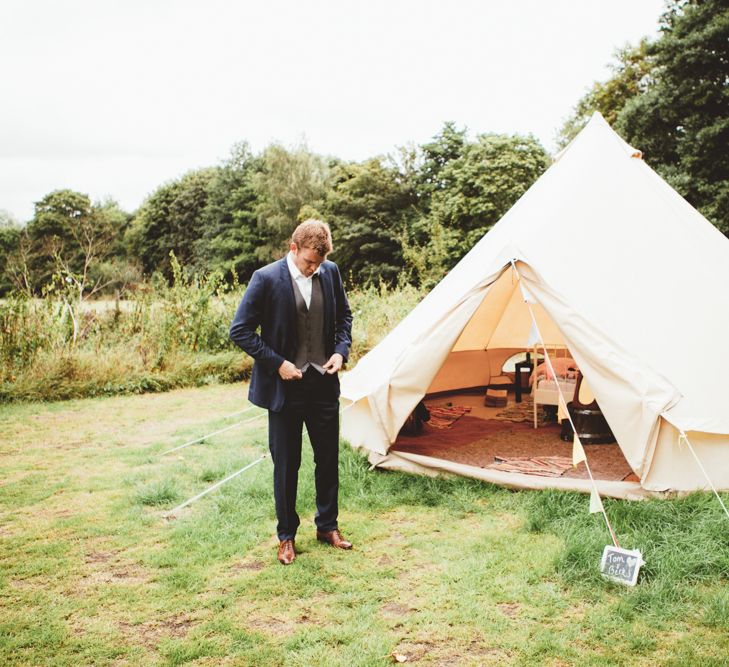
x=306, y=331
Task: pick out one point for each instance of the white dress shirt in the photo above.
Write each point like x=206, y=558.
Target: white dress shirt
x=301, y=281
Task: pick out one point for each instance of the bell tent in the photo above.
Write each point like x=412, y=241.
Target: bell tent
x=600, y=258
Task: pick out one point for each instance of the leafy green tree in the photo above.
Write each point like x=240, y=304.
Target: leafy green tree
x=117, y=269
x=681, y=121
x=10, y=234
x=426, y=244
x=445, y=147
x=231, y=235
x=70, y=235
x=474, y=191
x=427, y=259
x=7, y=219
x=368, y=206
x=62, y=219
x=289, y=186
x=485, y=182
x=669, y=98
x=631, y=73
x=171, y=219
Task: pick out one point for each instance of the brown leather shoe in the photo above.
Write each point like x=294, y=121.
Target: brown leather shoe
x=333, y=537
x=286, y=552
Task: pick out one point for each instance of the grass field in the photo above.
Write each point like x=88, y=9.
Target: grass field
x=444, y=571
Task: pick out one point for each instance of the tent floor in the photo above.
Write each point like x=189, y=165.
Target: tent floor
x=476, y=438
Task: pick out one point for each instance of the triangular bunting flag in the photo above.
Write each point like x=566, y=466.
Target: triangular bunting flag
x=595, y=502
x=533, y=335
x=578, y=452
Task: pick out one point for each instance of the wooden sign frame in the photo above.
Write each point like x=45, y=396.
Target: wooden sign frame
x=621, y=565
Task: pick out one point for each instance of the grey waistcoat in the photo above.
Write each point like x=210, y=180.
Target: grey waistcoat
x=310, y=328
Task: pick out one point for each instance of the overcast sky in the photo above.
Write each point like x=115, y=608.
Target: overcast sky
x=113, y=98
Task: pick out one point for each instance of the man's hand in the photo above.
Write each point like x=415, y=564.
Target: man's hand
x=288, y=371
x=334, y=364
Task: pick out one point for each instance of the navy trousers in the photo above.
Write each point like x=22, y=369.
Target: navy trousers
x=314, y=401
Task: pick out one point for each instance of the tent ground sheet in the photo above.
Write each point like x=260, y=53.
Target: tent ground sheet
x=487, y=436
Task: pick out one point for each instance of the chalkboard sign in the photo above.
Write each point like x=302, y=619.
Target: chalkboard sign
x=621, y=565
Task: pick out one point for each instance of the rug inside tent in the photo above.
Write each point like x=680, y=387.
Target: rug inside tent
x=505, y=439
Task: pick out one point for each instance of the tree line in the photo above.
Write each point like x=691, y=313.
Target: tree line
x=406, y=217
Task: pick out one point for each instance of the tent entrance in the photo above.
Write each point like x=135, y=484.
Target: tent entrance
x=500, y=327
x=504, y=438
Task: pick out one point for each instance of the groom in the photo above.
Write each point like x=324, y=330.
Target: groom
x=305, y=333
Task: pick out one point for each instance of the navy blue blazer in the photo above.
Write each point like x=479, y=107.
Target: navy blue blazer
x=269, y=303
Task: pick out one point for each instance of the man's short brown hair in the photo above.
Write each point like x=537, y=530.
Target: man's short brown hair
x=313, y=234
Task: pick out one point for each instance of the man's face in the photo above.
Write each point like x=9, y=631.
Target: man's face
x=307, y=260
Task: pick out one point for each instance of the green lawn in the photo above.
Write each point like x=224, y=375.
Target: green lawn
x=444, y=571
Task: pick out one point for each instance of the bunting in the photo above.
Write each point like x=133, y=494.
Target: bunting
x=596, y=502
x=578, y=452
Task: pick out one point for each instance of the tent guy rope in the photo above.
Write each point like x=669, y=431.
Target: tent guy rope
x=227, y=428
x=222, y=430
x=684, y=438
x=239, y=412
x=172, y=513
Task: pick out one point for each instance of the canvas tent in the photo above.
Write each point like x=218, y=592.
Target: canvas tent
x=624, y=272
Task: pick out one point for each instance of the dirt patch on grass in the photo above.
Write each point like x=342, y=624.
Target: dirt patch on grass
x=311, y=612
x=418, y=569
x=476, y=654
x=272, y=626
x=395, y=539
x=98, y=557
x=510, y=609
x=445, y=653
x=75, y=444
x=396, y=609
x=59, y=512
x=305, y=617
x=251, y=565
x=113, y=573
x=176, y=625
x=412, y=651
x=151, y=633
x=25, y=584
